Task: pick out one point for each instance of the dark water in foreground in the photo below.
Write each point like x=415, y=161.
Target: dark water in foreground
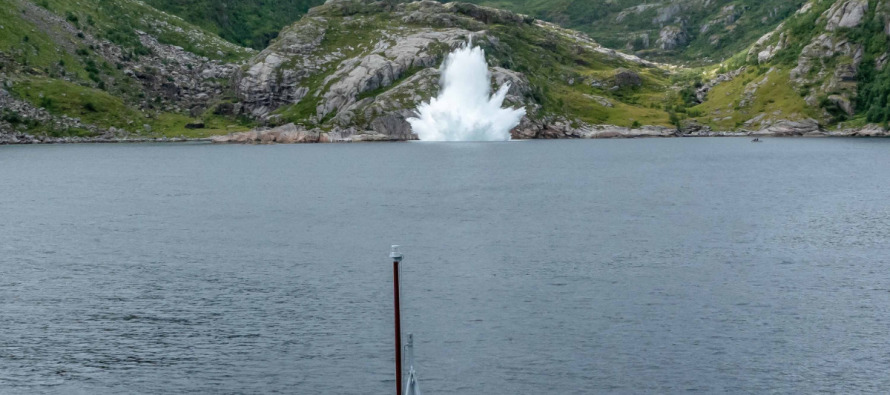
x=570, y=267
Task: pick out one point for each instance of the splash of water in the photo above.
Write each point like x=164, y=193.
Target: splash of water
x=465, y=110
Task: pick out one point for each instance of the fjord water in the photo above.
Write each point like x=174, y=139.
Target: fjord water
x=628, y=266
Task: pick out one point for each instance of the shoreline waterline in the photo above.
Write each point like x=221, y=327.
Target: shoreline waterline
x=209, y=140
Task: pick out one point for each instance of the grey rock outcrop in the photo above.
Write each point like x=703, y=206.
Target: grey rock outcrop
x=764, y=50
x=846, y=14
x=384, y=66
x=702, y=93
x=273, y=76
x=672, y=37
x=790, y=128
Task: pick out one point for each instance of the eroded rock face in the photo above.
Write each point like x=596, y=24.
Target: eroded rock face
x=384, y=66
x=846, y=14
x=273, y=76
x=839, y=80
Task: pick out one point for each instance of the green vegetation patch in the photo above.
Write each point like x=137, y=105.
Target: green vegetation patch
x=118, y=20
x=728, y=107
x=30, y=48
x=247, y=23
x=91, y=105
x=566, y=79
x=175, y=125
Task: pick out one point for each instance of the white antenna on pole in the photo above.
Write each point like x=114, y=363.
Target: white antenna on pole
x=411, y=386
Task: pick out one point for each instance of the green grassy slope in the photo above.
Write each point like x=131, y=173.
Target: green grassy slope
x=716, y=29
x=70, y=58
x=834, y=74
x=251, y=23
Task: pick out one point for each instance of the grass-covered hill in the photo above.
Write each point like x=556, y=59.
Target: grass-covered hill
x=122, y=68
x=827, y=62
x=367, y=65
x=688, y=31
x=87, y=67
x=251, y=23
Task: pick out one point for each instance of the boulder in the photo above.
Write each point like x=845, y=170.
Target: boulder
x=394, y=126
x=625, y=78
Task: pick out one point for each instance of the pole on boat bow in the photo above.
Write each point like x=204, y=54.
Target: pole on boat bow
x=396, y=257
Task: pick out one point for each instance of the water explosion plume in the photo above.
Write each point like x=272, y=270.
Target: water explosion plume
x=465, y=110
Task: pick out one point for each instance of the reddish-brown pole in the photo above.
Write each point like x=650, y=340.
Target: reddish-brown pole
x=396, y=258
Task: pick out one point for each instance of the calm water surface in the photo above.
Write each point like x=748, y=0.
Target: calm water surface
x=570, y=267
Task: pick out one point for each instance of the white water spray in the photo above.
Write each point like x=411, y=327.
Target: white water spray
x=465, y=109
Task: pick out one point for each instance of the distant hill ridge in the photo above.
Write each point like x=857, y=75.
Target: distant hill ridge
x=698, y=31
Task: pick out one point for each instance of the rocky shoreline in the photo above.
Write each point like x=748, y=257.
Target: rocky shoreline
x=294, y=134
x=27, y=139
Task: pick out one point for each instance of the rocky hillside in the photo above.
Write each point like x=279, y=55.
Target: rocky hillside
x=825, y=65
x=679, y=31
x=687, y=31
x=354, y=66
x=91, y=68
x=356, y=69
